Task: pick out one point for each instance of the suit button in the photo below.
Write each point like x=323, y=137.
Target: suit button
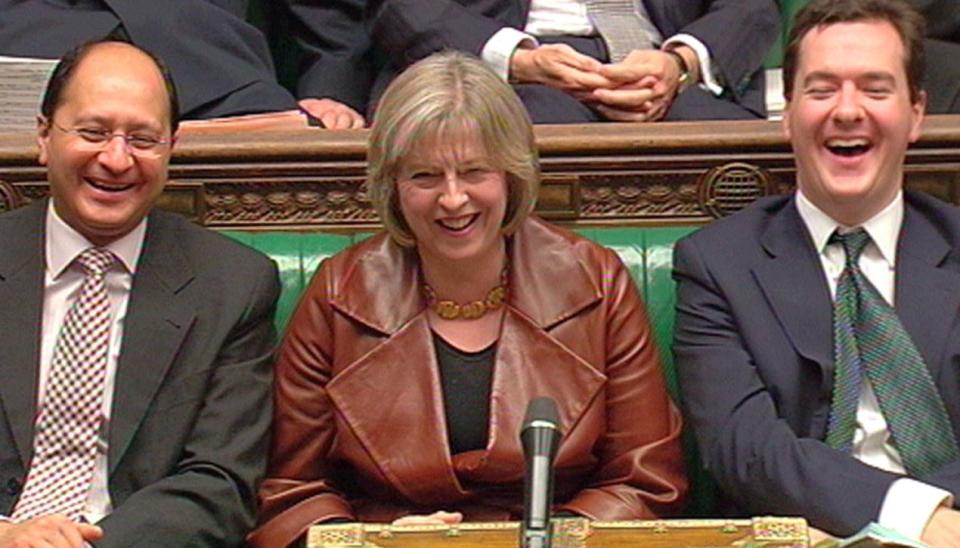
x=13, y=487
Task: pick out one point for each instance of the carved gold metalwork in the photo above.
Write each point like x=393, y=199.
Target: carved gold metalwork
x=763, y=532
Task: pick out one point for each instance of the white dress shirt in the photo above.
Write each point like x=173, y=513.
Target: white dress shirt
x=61, y=286
x=570, y=18
x=908, y=504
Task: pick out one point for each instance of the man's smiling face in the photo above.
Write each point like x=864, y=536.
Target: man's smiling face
x=851, y=118
x=104, y=190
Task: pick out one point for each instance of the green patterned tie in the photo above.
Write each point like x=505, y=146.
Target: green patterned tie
x=870, y=342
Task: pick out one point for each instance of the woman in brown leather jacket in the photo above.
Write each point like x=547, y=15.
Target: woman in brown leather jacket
x=405, y=372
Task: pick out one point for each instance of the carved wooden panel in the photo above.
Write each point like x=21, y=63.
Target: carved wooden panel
x=9, y=197
x=597, y=174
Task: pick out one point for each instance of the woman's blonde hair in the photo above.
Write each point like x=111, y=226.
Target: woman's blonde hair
x=437, y=99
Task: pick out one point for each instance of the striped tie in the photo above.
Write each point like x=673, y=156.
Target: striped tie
x=67, y=428
x=871, y=343
x=621, y=28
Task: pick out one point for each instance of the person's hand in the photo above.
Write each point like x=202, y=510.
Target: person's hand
x=943, y=529
x=817, y=536
x=333, y=114
x=645, y=83
x=48, y=531
x=436, y=518
x=557, y=66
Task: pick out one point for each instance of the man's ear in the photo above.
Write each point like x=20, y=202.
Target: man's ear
x=919, y=108
x=43, y=137
x=785, y=120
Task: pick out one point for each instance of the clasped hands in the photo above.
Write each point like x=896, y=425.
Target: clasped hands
x=638, y=89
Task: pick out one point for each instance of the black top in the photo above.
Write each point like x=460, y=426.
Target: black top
x=466, y=378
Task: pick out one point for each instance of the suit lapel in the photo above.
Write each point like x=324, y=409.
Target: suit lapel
x=656, y=9
x=399, y=375
x=549, y=285
x=793, y=282
x=397, y=384
x=21, y=295
x=927, y=296
x=531, y=364
x=158, y=318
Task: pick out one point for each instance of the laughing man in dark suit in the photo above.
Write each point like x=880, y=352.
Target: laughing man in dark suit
x=790, y=378
x=179, y=436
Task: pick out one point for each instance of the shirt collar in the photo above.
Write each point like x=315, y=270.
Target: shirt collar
x=883, y=228
x=64, y=244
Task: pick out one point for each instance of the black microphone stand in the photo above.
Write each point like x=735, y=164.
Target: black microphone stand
x=540, y=436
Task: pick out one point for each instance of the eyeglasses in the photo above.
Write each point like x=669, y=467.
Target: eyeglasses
x=98, y=139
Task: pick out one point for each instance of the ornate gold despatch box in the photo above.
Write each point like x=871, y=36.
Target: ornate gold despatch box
x=572, y=533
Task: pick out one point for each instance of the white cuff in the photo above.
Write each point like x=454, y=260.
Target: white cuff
x=908, y=505
x=500, y=47
x=708, y=81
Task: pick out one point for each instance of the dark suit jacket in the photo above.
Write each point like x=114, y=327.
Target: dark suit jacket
x=220, y=64
x=942, y=80
x=191, y=409
x=754, y=350
x=737, y=33
x=337, y=59
x=943, y=18
x=360, y=431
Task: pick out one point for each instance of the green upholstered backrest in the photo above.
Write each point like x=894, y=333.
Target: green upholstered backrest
x=647, y=253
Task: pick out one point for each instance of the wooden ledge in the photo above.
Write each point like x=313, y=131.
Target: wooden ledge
x=598, y=174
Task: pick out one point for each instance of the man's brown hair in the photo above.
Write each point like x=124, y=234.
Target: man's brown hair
x=908, y=23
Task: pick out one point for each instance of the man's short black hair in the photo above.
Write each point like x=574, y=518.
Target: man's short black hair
x=65, y=69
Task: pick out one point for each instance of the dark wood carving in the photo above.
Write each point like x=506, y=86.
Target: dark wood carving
x=9, y=197
x=667, y=173
x=729, y=188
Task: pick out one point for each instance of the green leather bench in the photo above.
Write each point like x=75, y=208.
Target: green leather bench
x=647, y=252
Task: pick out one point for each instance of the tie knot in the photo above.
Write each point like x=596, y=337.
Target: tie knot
x=95, y=260
x=853, y=243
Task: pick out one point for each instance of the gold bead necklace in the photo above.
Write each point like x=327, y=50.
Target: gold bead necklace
x=451, y=310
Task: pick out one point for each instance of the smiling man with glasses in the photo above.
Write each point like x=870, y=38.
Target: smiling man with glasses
x=135, y=400
x=137, y=144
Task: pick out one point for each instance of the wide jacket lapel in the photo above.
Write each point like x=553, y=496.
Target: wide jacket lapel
x=396, y=383
x=794, y=284
x=532, y=364
x=158, y=318
x=927, y=295
x=549, y=285
x=21, y=309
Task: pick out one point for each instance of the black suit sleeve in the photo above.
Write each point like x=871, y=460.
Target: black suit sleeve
x=208, y=499
x=337, y=60
x=752, y=452
x=738, y=35
x=409, y=30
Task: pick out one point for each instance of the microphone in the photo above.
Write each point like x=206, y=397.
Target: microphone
x=540, y=436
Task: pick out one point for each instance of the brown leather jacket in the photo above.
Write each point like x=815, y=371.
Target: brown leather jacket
x=359, y=428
